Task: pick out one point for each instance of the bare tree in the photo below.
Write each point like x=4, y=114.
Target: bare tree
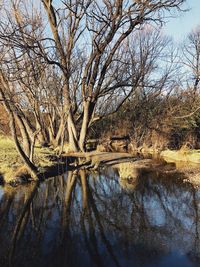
x=191, y=58
x=15, y=119
x=91, y=35
x=189, y=61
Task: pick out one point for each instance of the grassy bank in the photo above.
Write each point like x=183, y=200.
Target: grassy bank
x=192, y=156
x=184, y=155
x=11, y=164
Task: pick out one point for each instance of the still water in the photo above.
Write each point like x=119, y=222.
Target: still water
x=96, y=219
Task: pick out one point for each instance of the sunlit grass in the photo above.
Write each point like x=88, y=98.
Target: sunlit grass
x=11, y=162
x=182, y=155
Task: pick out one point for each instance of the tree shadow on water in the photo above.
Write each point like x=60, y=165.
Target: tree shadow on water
x=88, y=219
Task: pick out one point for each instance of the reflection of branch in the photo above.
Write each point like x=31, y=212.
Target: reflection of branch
x=20, y=222
x=196, y=221
x=101, y=229
x=91, y=244
x=70, y=186
x=66, y=239
x=166, y=209
x=71, y=183
x=5, y=210
x=84, y=190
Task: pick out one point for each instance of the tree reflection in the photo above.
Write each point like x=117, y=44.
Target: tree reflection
x=88, y=219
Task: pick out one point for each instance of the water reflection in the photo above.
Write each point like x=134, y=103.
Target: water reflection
x=88, y=219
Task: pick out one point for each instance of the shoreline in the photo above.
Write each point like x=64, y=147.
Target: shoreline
x=185, y=160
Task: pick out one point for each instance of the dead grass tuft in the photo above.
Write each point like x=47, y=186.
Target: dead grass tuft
x=11, y=163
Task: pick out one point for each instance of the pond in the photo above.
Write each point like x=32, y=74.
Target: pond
x=87, y=218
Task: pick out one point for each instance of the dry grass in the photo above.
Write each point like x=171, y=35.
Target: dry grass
x=65, y=148
x=128, y=184
x=134, y=168
x=11, y=162
x=128, y=169
x=182, y=155
x=129, y=172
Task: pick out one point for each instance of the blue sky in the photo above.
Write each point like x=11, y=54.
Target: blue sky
x=179, y=27
x=183, y=22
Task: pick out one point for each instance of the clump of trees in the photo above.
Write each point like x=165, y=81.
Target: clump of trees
x=165, y=114
x=66, y=66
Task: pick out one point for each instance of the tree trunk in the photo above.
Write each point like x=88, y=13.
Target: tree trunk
x=33, y=144
x=41, y=137
x=88, y=108
x=26, y=139
x=60, y=131
x=31, y=167
x=51, y=129
x=73, y=140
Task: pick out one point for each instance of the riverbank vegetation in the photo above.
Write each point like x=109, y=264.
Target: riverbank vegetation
x=12, y=166
x=76, y=70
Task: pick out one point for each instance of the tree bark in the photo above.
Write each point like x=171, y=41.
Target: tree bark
x=88, y=108
x=26, y=139
x=60, y=131
x=31, y=167
x=73, y=140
